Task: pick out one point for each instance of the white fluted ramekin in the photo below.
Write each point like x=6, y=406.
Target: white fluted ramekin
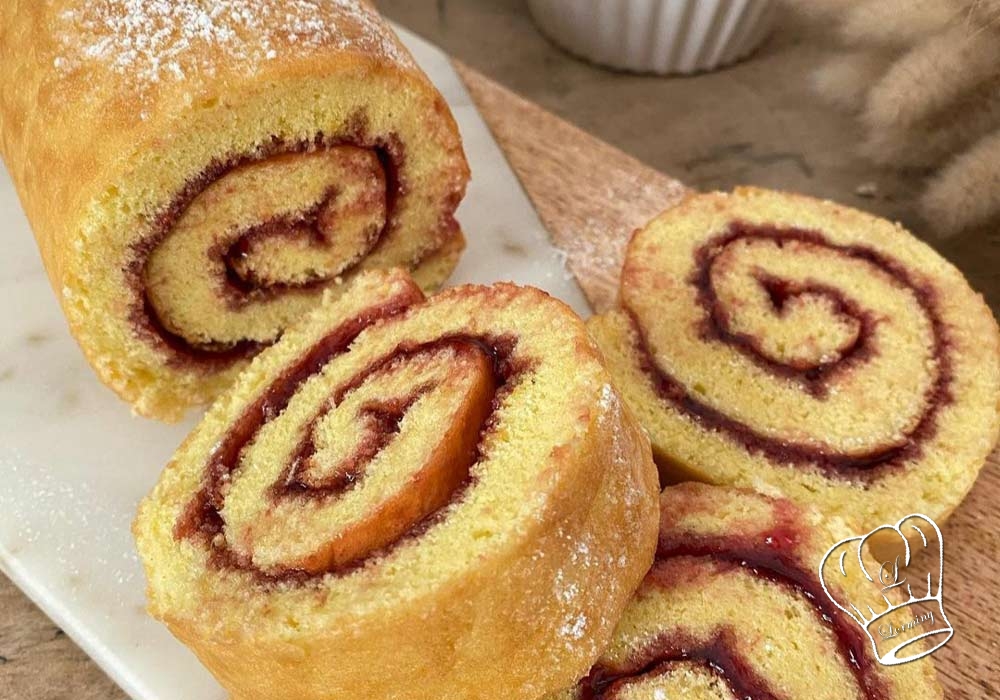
x=656, y=36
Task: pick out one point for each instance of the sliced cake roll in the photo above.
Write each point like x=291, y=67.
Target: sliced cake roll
x=797, y=347
x=733, y=609
x=407, y=498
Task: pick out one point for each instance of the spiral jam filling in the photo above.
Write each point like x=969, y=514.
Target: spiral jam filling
x=335, y=201
x=365, y=414
x=246, y=283
x=858, y=347
x=765, y=558
x=671, y=653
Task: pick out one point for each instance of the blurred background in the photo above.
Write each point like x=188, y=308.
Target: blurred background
x=841, y=100
x=891, y=106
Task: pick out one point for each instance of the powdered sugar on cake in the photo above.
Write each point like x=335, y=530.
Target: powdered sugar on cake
x=150, y=41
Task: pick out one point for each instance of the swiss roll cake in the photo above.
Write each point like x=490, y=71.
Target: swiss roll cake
x=734, y=608
x=797, y=347
x=406, y=498
x=199, y=174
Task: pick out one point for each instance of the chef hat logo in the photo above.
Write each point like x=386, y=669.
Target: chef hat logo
x=903, y=611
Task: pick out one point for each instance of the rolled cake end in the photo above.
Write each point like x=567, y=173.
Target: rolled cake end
x=201, y=194
x=733, y=607
x=457, y=472
x=797, y=347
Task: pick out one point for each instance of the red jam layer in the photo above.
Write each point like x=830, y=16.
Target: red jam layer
x=719, y=655
x=202, y=519
x=866, y=466
x=240, y=289
x=380, y=424
x=768, y=556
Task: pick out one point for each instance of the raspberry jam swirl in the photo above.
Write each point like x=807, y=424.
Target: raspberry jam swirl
x=788, y=335
x=247, y=245
x=408, y=427
x=725, y=603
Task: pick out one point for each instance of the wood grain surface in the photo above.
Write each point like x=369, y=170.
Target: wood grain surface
x=590, y=197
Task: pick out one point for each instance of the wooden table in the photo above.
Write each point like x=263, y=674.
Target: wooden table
x=590, y=197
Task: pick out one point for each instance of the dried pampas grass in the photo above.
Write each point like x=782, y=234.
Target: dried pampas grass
x=923, y=78
x=846, y=78
x=967, y=190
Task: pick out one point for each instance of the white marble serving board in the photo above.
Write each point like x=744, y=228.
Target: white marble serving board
x=74, y=461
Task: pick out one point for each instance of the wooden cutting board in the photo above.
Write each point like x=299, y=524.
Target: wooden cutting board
x=591, y=197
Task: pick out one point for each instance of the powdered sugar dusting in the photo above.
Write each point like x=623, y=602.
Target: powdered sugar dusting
x=610, y=418
x=57, y=507
x=609, y=400
x=574, y=629
x=151, y=41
